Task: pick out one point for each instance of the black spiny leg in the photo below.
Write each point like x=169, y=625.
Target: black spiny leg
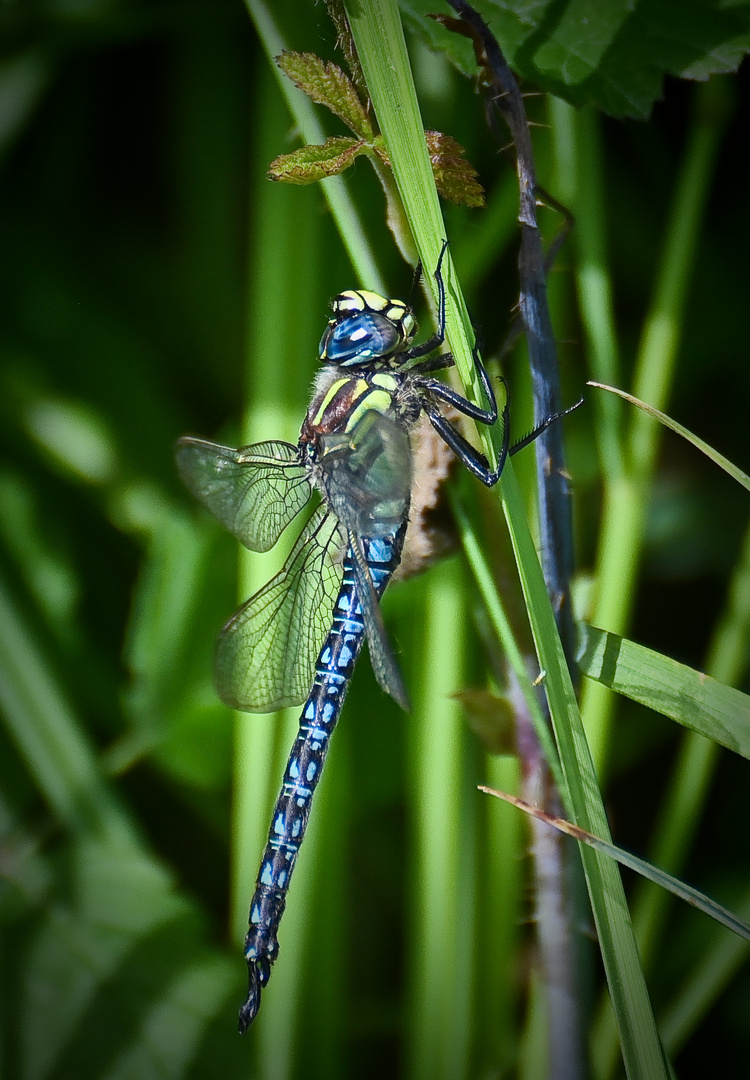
x=474, y=460
x=438, y=337
x=433, y=390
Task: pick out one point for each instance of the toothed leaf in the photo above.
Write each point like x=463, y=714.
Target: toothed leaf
x=315, y=162
x=455, y=177
x=326, y=84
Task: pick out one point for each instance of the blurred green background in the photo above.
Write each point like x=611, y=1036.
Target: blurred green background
x=153, y=283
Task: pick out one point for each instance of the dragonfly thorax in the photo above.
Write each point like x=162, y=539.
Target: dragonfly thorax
x=366, y=327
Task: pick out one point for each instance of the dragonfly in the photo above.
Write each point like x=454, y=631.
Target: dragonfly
x=296, y=641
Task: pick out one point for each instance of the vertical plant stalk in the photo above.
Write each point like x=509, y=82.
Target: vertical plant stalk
x=626, y=490
x=378, y=34
x=555, y=519
x=559, y=957
x=627, y=476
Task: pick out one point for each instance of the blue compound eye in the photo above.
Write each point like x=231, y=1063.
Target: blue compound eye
x=359, y=338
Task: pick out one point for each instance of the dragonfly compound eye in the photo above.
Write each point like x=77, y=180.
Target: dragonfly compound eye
x=366, y=327
x=359, y=339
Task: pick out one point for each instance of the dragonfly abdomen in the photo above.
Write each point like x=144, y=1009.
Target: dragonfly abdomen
x=320, y=713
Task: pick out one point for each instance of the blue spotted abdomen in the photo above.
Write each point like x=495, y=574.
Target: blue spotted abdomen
x=320, y=712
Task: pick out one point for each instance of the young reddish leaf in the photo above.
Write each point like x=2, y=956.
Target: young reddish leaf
x=327, y=85
x=455, y=177
x=314, y=162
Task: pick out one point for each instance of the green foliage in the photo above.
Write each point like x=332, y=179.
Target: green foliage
x=603, y=52
x=693, y=699
x=153, y=283
x=327, y=84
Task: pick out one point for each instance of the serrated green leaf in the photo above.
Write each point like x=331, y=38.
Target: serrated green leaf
x=455, y=177
x=607, y=53
x=327, y=85
x=314, y=162
x=693, y=699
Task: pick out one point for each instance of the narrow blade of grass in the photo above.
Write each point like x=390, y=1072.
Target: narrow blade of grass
x=699, y=444
x=50, y=737
x=441, y=924
x=685, y=892
x=693, y=699
x=639, y=1040
x=379, y=37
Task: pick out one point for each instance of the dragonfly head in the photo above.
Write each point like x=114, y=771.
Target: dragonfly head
x=366, y=327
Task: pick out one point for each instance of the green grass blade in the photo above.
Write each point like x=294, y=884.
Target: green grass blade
x=441, y=927
x=283, y=315
x=504, y=633
x=699, y=444
x=380, y=43
x=693, y=699
x=50, y=737
x=638, y=1037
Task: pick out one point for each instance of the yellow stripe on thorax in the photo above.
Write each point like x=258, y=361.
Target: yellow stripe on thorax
x=360, y=388
x=379, y=400
x=385, y=380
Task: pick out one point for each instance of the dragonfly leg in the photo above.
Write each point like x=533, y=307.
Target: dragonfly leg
x=438, y=337
x=474, y=460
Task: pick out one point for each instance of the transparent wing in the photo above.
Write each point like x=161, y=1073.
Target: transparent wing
x=265, y=657
x=381, y=655
x=254, y=491
x=366, y=474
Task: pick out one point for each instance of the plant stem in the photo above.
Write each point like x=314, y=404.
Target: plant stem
x=626, y=492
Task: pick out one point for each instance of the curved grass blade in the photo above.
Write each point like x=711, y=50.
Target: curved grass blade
x=699, y=444
x=625, y=858
x=695, y=700
x=265, y=657
x=254, y=492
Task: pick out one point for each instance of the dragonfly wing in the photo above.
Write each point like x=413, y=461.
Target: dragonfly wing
x=381, y=654
x=254, y=491
x=265, y=657
x=366, y=474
